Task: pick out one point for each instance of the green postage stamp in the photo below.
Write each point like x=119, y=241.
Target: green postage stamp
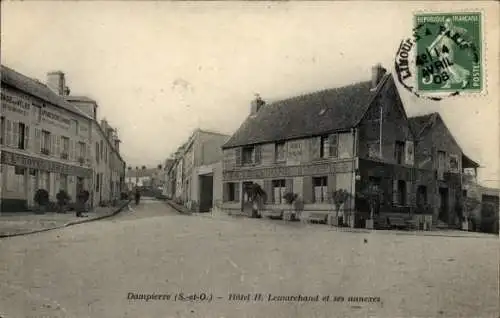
x=445, y=55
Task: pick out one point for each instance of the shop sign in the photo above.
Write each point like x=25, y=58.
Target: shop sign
x=21, y=160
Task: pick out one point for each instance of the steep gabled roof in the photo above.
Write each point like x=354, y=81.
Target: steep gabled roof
x=419, y=123
x=422, y=124
x=37, y=89
x=307, y=115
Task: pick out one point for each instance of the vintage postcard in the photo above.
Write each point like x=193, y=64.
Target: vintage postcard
x=291, y=159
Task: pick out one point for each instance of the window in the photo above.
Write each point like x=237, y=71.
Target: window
x=421, y=195
x=320, y=189
x=333, y=142
x=2, y=130
x=454, y=164
x=97, y=182
x=82, y=148
x=65, y=147
x=399, y=192
x=63, y=182
x=97, y=152
x=102, y=149
x=233, y=192
x=399, y=150
x=46, y=138
x=441, y=160
x=374, y=149
x=22, y=141
x=15, y=180
x=247, y=155
x=279, y=188
x=279, y=151
x=322, y=147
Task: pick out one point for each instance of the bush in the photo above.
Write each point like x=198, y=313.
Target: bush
x=290, y=197
x=41, y=197
x=62, y=197
x=123, y=196
x=83, y=196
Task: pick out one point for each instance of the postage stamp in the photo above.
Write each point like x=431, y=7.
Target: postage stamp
x=444, y=56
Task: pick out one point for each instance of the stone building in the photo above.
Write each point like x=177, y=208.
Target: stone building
x=195, y=177
x=356, y=138
x=438, y=152
x=47, y=143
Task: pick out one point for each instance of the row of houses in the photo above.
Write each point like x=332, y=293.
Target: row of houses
x=354, y=138
x=54, y=141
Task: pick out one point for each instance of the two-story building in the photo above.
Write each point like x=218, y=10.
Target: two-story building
x=195, y=175
x=438, y=152
x=354, y=138
x=45, y=142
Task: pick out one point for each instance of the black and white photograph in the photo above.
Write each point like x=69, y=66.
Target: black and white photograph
x=249, y=159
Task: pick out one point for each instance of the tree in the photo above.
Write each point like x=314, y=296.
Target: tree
x=257, y=196
x=143, y=167
x=129, y=168
x=42, y=199
x=159, y=167
x=62, y=200
x=374, y=196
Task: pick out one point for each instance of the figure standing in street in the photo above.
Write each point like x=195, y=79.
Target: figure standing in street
x=137, y=196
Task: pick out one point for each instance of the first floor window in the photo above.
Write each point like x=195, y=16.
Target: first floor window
x=278, y=191
x=46, y=142
x=320, y=189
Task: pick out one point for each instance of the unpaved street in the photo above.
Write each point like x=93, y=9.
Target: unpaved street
x=89, y=270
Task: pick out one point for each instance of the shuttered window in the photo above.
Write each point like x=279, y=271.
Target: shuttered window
x=258, y=154
x=333, y=143
x=279, y=189
x=9, y=133
x=231, y=192
x=320, y=186
x=26, y=137
x=247, y=155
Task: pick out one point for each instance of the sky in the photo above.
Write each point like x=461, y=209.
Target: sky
x=158, y=70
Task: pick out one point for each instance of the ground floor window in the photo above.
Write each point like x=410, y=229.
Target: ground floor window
x=232, y=192
x=15, y=178
x=421, y=195
x=399, y=192
x=320, y=189
x=279, y=188
x=63, y=182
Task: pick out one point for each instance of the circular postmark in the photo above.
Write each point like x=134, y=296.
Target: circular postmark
x=443, y=56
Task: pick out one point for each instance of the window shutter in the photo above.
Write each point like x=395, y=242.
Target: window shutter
x=289, y=185
x=225, y=192
x=238, y=156
x=57, y=150
x=237, y=191
x=395, y=192
x=268, y=189
x=331, y=184
x=315, y=144
x=258, y=154
x=409, y=193
x=308, y=190
x=38, y=144
x=26, y=137
x=88, y=153
x=409, y=153
x=8, y=134
x=15, y=134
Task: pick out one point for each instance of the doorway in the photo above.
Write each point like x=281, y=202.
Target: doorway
x=246, y=202
x=443, y=204
x=206, y=192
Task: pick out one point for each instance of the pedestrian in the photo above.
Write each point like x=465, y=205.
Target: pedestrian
x=137, y=196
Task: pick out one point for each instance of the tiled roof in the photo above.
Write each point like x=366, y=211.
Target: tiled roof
x=418, y=123
x=307, y=115
x=38, y=89
x=79, y=99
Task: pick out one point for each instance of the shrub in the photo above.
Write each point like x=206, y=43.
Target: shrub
x=41, y=197
x=83, y=196
x=290, y=197
x=62, y=197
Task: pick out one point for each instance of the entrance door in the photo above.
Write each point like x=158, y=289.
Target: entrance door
x=443, y=207
x=206, y=193
x=246, y=202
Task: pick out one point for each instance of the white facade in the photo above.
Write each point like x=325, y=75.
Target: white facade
x=47, y=142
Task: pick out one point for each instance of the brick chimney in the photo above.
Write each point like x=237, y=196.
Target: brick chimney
x=56, y=82
x=377, y=73
x=256, y=104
